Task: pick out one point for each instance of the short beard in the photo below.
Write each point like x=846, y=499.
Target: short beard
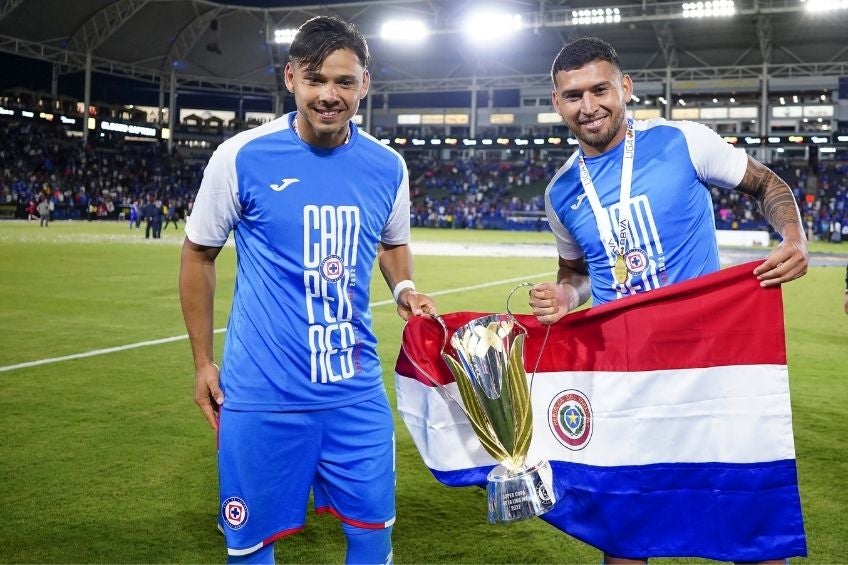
x=602, y=139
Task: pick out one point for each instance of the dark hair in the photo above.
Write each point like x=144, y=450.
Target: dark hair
x=583, y=51
x=322, y=35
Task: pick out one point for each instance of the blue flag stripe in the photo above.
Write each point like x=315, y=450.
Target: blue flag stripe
x=750, y=497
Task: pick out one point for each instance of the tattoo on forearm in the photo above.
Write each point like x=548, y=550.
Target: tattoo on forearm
x=773, y=195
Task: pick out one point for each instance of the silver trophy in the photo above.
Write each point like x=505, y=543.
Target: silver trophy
x=489, y=373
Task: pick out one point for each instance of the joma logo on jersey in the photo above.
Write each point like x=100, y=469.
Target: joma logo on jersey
x=330, y=240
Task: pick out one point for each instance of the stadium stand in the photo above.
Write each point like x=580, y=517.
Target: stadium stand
x=102, y=180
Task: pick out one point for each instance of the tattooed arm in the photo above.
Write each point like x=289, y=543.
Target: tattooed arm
x=789, y=259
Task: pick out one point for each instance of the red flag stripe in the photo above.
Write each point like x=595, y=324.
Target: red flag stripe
x=740, y=323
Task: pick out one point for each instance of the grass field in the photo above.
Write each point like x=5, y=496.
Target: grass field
x=105, y=459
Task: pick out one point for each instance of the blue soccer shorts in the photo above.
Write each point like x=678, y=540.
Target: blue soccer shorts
x=269, y=461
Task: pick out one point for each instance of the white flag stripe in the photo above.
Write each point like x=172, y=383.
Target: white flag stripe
x=718, y=414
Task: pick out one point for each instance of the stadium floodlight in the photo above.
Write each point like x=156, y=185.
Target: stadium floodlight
x=284, y=36
x=409, y=31
x=596, y=16
x=483, y=27
x=709, y=9
x=825, y=5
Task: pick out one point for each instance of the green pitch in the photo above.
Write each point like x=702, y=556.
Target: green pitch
x=105, y=458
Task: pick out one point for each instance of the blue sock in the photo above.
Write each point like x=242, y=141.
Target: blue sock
x=263, y=556
x=368, y=546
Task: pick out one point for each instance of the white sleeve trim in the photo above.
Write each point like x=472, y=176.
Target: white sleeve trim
x=396, y=230
x=716, y=161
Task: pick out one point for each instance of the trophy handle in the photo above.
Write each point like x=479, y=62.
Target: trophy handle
x=440, y=387
x=515, y=320
x=508, y=311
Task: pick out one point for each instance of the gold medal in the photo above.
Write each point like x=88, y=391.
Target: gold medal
x=620, y=269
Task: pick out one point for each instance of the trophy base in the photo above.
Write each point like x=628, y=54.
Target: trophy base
x=520, y=494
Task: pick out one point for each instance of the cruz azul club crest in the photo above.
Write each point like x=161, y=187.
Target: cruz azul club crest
x=234, y=512
x=570, y=419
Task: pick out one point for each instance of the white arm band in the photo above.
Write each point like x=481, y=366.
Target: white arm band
x=401, y=286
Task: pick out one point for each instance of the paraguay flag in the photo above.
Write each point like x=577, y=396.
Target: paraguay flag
x=665, y=417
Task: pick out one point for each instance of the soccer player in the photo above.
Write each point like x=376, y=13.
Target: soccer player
x=300, y=404
x=631, y=209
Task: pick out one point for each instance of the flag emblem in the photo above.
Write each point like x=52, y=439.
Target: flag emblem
x=570, y=419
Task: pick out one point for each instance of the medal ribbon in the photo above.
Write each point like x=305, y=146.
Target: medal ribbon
x=617, y=245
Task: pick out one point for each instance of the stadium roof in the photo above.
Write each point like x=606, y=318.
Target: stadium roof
x=224, y=46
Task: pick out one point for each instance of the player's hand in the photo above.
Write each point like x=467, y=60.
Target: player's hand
x=207, y=392
x=411, y=303
x=550, y=302
x=788, y=261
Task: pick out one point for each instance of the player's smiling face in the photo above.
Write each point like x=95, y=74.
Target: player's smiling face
x=591, y=100
x=327, y=97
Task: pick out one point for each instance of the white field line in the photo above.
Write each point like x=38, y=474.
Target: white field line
x=96, y=352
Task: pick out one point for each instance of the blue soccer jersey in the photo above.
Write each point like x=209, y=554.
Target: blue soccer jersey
x=671, y=212
x=307, y=222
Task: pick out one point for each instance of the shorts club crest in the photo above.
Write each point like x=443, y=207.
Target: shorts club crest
x=234, y=511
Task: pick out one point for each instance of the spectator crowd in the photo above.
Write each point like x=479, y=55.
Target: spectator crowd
x=42, y=169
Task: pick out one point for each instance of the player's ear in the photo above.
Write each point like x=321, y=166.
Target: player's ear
x=288, y=77
x=627, y=86
x=366, y=83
